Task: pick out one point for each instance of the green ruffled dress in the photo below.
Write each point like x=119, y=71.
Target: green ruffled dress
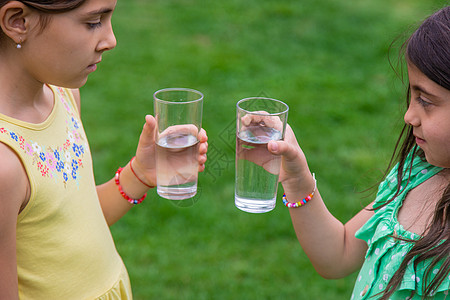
x=385, y=253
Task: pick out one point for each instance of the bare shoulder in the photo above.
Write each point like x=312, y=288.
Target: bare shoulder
x=14, y=185
x=418, y=207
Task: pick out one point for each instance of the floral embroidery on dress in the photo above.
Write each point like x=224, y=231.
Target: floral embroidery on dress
x=56, y=161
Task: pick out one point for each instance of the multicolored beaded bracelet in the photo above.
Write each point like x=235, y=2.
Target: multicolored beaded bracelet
x=132, y=201
x=131, y=167
x=303, y=201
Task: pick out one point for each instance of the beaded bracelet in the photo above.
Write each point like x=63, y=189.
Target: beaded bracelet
x=132, y=201
x=304, y=201
x=131, y=167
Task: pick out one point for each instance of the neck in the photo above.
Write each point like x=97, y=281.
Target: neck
x=21, y=95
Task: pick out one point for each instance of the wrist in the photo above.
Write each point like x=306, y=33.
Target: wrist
x=295, y=204
x=127, y=186
x=139, y=174
x=299, y=187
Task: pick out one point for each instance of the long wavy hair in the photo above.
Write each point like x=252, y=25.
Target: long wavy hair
x=428, y=49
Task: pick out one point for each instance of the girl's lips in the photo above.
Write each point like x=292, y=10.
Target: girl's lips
x=419, y=141
x=92, y=67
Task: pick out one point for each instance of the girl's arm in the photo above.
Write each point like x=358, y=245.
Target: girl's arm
x=114, y=206
x=330, y=245
x=14, y=191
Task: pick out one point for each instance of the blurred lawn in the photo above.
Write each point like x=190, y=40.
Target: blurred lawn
x=327, y=59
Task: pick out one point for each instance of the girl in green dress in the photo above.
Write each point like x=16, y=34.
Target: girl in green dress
x=400, y=242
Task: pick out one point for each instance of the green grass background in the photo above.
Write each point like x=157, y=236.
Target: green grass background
x=327, y=59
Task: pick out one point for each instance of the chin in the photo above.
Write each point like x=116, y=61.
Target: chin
x=438, y=162
x=76, y=85
x=72, y=84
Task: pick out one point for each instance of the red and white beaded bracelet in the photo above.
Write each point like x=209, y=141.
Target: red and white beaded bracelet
x=128, y=198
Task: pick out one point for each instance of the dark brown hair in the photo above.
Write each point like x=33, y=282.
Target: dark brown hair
x=47, y=7
x=428, y=49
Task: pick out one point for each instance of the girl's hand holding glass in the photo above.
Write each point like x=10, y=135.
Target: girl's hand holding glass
x=295, y=175
x=144, y=165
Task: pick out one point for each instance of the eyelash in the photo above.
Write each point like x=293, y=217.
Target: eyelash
x=422, y=102
x=94, y=25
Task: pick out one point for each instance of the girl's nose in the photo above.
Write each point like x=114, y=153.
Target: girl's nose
x=108, y=42
x=411, y=117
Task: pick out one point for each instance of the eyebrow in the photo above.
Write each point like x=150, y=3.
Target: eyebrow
x=100, y=11
x=421, y=89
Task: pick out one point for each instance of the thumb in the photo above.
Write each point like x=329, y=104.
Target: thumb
x=148, y=132
x=284, y=148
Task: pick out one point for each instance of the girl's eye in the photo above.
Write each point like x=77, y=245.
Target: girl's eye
x=94, y=25
x=423, y=102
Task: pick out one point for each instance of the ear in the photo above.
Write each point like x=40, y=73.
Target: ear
x=15, y=21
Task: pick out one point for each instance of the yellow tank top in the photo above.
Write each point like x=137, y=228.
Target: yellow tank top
x=64, y=246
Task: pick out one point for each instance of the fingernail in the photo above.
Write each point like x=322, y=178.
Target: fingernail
x=273, y=146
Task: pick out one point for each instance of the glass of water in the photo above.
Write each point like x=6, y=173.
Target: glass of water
x=259, y=120
x=178, y=113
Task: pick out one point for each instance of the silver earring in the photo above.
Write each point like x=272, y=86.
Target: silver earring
x=19, y=44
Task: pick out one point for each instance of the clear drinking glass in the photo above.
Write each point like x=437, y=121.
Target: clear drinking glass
x=178, y=113
x=259, y=120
